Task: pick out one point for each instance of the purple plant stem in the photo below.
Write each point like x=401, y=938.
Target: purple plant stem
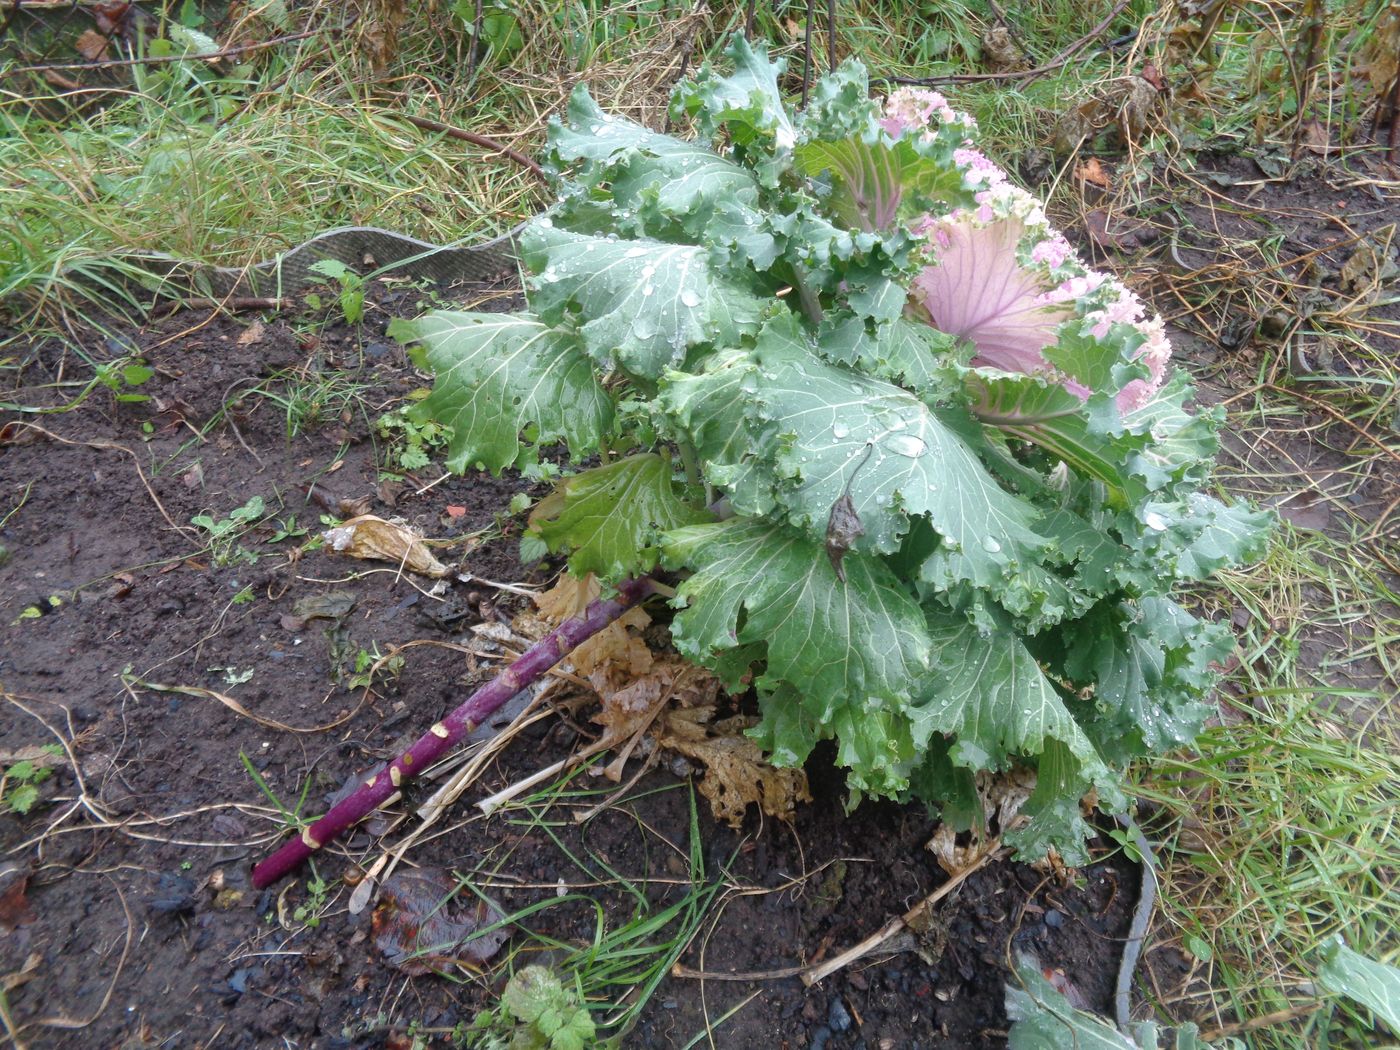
x=445, y=735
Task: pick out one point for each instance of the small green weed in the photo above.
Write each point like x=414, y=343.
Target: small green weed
x=370, y=667
x=19, y=787
x=352, y=289
x=292, y=817
x=309, y=912
x=224, y=533
x=309, y=401
x=615, y=975
x=536, y=1012
x=411, y=443
x=123, y=376
x=287, y=529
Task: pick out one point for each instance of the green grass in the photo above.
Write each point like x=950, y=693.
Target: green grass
x=1285, y=823
x=618, y=970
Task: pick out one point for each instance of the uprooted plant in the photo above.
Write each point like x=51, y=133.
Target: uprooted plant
x=928, y=483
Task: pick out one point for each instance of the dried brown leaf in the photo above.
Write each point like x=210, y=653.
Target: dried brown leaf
x=736, y=773
x=1117, y=232
x=1136, y=105
x=616, y=645
x=629, y=706
x=1380, y=53
x=92, y=45
x=14, y=905
x=252, y=334
x=1308, y=509
x=1370, y=264
x=1093, y=172
x=843, y=528
x=1313, y=137
x=422, y=924
x=373, y=538
x=1002, y=795
x=1000, y=51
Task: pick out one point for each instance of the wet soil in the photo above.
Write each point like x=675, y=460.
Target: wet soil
x=137, y=925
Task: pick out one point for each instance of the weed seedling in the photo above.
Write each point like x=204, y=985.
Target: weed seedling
x=287, y=529
x=309, y=913
x=370, y=665
x=19, y=787
x=224, y=533
x=352, y=289
x=412, y=442
x=123, y=376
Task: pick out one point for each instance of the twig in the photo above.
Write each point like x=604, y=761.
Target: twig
x=1024, y=75
x=132, y=683
x=476, y=40
x=896, y=926
x=1380, y=445
x=491, y=803
x=5, y=28
x=1253, y=1024
x=748, y=19
x=445, y=735
x=1302, y=81
x=1393, y=136
x=238, y=302
x=484, y=141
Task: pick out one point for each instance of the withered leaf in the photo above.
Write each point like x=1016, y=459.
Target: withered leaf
x=843, y=528
x=423, y=925
x=92, y=45
x=614, y=645
x=1308, y=509
x=630, y=704
x=1001, y=796
x=252, y=334
x=736, y=773
x=1093, y=172
x=371, y=537
x=1115, y=231
x=1000, y=51
x=14, y=905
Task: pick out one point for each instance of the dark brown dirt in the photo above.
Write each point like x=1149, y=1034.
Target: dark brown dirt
x=144, y=930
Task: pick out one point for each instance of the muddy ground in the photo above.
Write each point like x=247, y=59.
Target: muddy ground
x=137, y=925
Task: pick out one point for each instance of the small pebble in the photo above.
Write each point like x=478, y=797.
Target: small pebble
x=820, y=1037
x=838, y=1016
x=1054, y=919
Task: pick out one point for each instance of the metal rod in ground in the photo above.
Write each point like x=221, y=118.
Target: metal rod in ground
x=445, y=735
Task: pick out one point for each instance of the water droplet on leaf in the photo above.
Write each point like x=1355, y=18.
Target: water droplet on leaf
x=906, y=445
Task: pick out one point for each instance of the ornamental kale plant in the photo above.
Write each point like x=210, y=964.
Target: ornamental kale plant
x=927, y=480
